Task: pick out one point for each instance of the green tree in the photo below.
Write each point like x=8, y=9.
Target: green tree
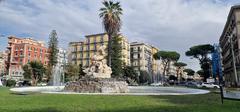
x=201, y=52
x=189, y=72
x=144, y=77
x=111, y=21
x=129, y=72
x=200, y=72
x=80, y=72
x=71, y=72
x=167, y=57
x=53, y=50
x=117, y=63
x=34, y=70
x=179, y=66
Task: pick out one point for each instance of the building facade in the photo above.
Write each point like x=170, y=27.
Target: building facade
x=231, y=36
x=141, y=57
x=20, y=52
x=62, y=57
x=3, y=59
x=81, y=52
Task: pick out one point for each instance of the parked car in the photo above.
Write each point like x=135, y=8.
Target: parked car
x=191, y=84
x=157, y=84
x=208, y=85
x=181, y=83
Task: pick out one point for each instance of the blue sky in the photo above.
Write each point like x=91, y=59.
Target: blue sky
x=167, y=24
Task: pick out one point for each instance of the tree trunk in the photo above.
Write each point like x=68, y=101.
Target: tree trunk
x=178, y=74
x=109, y=50
x=164, y=69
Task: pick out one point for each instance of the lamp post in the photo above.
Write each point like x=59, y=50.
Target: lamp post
x=233, y=56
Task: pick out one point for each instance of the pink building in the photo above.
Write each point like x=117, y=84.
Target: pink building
x=21, y=51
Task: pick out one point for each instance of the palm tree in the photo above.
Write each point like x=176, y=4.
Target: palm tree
x=111, y=21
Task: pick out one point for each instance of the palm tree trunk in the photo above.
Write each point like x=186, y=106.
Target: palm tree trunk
x=109, y=50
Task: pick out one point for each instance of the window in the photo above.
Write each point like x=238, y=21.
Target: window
x=88, y=55
x=95, y=39
x=131, y=49
x=88, y=47
x=95, y=47
x=139, y=49
x=88, y=40
x=131, y=55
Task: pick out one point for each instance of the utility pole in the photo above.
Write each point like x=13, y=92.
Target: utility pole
x=234, y=61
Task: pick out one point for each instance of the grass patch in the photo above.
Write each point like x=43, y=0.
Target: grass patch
x=97, y=103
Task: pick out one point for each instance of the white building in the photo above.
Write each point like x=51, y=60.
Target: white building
x=62, y=57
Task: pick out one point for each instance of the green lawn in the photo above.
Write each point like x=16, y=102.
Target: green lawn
x=95, y=103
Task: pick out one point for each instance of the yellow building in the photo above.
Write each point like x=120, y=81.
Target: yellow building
x=81, y=52
x=155, y=63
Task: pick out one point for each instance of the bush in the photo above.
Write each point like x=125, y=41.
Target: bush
x=10, y=83
x=144, y=77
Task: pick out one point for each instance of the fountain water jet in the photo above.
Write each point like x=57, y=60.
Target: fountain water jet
x=57, y=73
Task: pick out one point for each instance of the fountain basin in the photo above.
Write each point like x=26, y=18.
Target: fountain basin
x=133, y=90
x=97, y=85
x=37, y=89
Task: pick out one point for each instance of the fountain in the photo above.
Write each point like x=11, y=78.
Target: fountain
x=98, y=81
x=98, y=78
x=57, y=73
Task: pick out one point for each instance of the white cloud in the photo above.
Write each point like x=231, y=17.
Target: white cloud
x=169, y=25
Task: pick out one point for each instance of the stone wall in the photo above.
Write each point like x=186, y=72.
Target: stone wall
x=97, y=85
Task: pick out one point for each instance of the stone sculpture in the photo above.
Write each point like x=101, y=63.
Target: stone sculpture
x=98, y=67
x=98, y=78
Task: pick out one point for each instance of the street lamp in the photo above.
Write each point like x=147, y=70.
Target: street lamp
x=233, y=56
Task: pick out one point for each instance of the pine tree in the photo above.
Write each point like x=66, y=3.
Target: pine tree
x=80, y=72
x=53, y=50
x=116, y=61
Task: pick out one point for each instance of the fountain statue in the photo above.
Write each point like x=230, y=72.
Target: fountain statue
x=98, y=78
x=98, y=67
x=57, y=72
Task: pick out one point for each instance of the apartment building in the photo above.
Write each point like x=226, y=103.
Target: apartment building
x=21, y=51
x=231, y=36
x=81, y=52
x=62, y=57
x=141, y=57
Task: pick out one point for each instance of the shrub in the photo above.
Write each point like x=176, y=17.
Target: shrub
x=10, y=83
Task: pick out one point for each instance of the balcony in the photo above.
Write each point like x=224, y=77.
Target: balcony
x=14, y=62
